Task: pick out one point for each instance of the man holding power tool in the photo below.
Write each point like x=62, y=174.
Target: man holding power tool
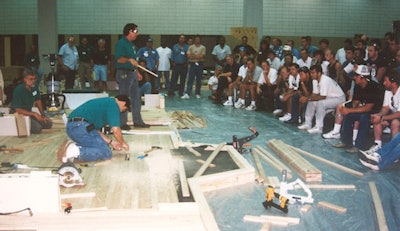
x=88, y=143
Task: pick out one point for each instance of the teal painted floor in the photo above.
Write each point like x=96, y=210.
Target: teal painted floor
x=231, y=205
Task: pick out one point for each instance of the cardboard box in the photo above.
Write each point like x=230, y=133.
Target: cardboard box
x=154, y=100
x=9, y=127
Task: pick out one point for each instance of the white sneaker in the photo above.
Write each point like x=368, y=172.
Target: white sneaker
x=286, y=117
x=277, y=111
x=185, y=96
x=71, y=152
x=331, y=135
x=373, y=148
x=239, y=104
x=251, y=107
x=387, y=130
x=228, y=103
x=198, y=96
x=371, y=155
x=304, y=127
x=315, y=130
x=371, y=166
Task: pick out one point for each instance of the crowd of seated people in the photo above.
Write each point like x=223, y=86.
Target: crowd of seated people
x=358, y=84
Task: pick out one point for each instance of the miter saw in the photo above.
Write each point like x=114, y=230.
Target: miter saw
x=68, y=175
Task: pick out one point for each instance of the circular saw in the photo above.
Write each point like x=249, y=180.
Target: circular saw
x=68, y=175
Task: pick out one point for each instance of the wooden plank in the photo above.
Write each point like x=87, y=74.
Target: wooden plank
x=380, y=214
x=21, y=125
x=305, y=208
x=183, y=180
x=209, y=160
x=206, y=213
x=266, y=226
x=273, y=161
x=76, y=195
x=194, y=152
x=226, y=179
x=304, y=169
x=259, y=167
x=331, y=206
x=325, y=161
x=330, y=186
x=200, y=161
x=237, y=157
x=275, y=220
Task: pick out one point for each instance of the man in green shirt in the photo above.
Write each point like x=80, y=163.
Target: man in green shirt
x=84, y=123
x=24, y=96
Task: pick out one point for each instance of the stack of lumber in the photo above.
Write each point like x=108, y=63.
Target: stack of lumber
x=307, y=171
x=185, y=119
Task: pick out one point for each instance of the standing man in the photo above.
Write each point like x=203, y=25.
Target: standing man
x=220, y=51
x=150, y=55
x=84, y=123
x=196, y=54
x=85, y=52
x=101, y=61
x=24, y=96
x=179, y=66
x=68, y=61
x=125, y=62
x=164, y=64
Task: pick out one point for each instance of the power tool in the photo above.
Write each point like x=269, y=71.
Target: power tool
x=68, y=175
x=269, y=202
x=285, y=187
x=238, y=143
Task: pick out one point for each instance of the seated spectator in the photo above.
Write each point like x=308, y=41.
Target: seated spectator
x=305, y=60
x=240, y=57
x=367, y=99
x=282, y=87
x=249, y=50
x=273, y=60
x=334, y=67
x=277, y=47
x=294, y=84
x=229, y=75
x=330, y=94
x=295, y=52
x=341, y=53
x=24, y=96
x=389, y=115
x=249, y=84
x=376, y=62
x=306, y=44
x=263, y=52
x=383, y=157
x=288, y=57
x=213, y=81
x=265, y=87
x=323, y=44
x=236, y=84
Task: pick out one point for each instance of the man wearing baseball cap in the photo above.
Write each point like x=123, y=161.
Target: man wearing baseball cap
x=367, y=99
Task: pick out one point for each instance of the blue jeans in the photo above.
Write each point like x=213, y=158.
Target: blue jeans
x=92, y=147
x=195, y=73
x=129, y=85
x=145, y=89
x=178, y=71
x=363, y=129
x=390, y=152
x=166, y=77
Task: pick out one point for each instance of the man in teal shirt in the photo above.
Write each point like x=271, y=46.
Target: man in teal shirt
x=24, y=96
x=125, y=59
x=84, y=123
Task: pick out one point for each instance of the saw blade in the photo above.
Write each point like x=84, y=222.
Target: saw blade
x=69, y=177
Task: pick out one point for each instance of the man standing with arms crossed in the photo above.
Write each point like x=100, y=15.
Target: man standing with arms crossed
x=125, y=59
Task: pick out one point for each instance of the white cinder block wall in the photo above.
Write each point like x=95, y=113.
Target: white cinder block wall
x=331, y=18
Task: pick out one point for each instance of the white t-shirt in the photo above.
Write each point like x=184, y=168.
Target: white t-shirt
x=165, y=56
x=306, y=63
x=293, y=82
x=329, y=87
x=242, y=71
x=272, y=76
x=392, y=101
x=213, y=81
